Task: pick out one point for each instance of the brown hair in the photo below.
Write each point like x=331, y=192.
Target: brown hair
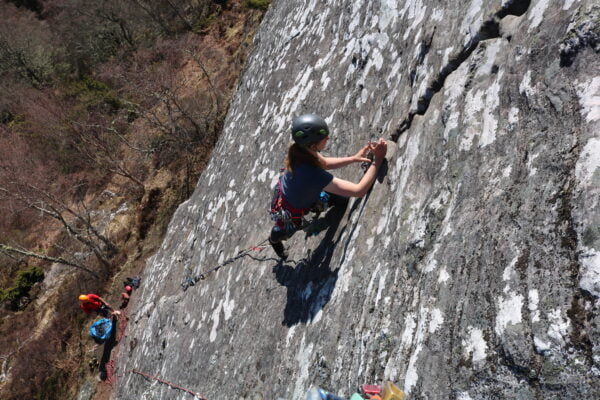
x=298, y=155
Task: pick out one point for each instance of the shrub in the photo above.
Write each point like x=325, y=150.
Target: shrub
x=257, y=4
x=23, y=283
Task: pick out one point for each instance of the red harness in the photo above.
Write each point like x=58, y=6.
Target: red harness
x=279, y=203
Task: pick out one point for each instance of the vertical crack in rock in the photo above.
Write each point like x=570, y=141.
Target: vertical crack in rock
x=490, y=29
x=578, y=313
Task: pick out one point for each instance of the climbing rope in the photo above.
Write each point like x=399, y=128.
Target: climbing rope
x=111, y=376
x=172, y=385
x=192, y=280
x=110, y=367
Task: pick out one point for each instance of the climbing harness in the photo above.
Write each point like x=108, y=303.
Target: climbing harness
x=192, y=280
x=283, y=213
x=290, y=218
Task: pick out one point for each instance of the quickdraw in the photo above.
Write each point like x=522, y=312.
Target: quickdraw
x=192, y=280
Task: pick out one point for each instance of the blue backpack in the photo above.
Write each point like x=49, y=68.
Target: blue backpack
x=101, y=330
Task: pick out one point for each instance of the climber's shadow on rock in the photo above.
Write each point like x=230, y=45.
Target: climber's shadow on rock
x=310, y=281
x=109, y=345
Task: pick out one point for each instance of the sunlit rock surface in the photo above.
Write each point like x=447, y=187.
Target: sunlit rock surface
x=471, y=272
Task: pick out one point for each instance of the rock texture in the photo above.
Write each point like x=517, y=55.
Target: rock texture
x=471, y=272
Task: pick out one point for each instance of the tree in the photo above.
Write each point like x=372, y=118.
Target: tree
x=27, y=51
x=25, y=188
x=99, y=143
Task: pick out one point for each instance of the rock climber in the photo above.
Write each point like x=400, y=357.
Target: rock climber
x=306, y=183
x=93, y=302
x=125, y=296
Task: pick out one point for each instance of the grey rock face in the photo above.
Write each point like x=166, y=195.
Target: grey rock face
x=471, y=272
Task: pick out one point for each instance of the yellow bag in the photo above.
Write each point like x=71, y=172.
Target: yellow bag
x=392, y=392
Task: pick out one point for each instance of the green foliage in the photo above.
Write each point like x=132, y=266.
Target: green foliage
x=257, y=4
x=91, y=92
x=88, y=84
x=204, y=22
x=22, y=284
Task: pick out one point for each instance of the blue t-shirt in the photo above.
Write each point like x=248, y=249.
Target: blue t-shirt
x=302, y=187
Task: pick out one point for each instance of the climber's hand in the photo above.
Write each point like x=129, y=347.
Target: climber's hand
x=361, y=156
x=379, y=149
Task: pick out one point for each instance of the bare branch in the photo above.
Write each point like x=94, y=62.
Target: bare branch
x=12, y=250
x=210, y=83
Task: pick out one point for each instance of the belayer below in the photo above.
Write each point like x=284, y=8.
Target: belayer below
x=93, y=302
x=306, y=186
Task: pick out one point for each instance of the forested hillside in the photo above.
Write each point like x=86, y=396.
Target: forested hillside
x=108, y=114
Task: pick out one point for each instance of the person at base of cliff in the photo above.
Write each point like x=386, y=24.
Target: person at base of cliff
x=125, y=296
x=306, y=181
x=94, y=303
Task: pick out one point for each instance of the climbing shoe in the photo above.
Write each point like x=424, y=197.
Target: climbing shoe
x=279, y=250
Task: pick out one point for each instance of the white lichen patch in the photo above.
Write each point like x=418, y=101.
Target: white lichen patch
x=525, y=87
x=290, y=335
x=409, y=328
x=370, y=241
x=437, y=319
x=491, y=51
x=534, y=300
x=588, y=163
x=509, y=311
x=540, y=345
x=388, y=10
x=216, y=315
x=472, y=20
x=413, y=337
x=431, y=265
x=381, y=286
x=530, y=161
x=589, y=99
x=590, y=273
x=415, y=11
x=405, y=164
x=513, y=116
x=474, y=103
x=490, y=122
x=303, y=358
x=475, y=345
x=536, y=14
x=509, y=271
x=437, y=14
x=569, y=3
x=444, y=276
x=559, y=327
x=228, y=305
x=463, y=396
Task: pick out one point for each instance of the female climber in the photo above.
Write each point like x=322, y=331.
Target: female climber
x=306, y=184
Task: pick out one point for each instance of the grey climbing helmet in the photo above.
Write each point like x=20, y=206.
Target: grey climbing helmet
x=308, y=129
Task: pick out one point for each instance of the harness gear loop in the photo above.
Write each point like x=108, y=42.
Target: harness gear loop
x=283, y=213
